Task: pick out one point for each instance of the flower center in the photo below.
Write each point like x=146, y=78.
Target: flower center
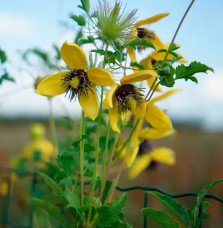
x=143, y=33
x=128, y=97
x=76, y=82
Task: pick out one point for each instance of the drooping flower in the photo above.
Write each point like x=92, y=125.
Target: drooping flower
x=160, y=124
x=139, y=32
x=148, y=156
x=151, y=60
x=77, y=82
x=126, y=97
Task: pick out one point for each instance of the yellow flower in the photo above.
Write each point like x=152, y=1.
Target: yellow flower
x=39, y=147
x=160, y=123
x=149, y=62
x=78, y=81
x=123, y=98
x=143, y=33
x=162, y=155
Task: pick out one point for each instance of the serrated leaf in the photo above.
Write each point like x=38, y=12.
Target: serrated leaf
x=200, y=198
x=175, y=207
x=3, y=56
x=79, y=19
x=54, y=212
x=160, y=217
x=141, y=42
x=72, y=199
x=135, y=64
x=50, y=182
x=193, y=79
x=109, y=213
x=186, y=72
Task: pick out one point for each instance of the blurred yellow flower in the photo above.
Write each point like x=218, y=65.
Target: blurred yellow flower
x=124, y=98
x=77, y=82
x=143, y=33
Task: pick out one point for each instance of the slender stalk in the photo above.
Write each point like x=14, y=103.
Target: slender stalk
x=53, y=127
x=104, y=162
x=151, y=89
x=153, y=92
x=96, y=156
x=82, y=126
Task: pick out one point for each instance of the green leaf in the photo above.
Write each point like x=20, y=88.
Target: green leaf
x=54, y=212
x=72, y=199
x=173, y=47
x=200, y=198
x=120, y=224
x=88, y=40
x=3, y=56
x=6, y=77
x=161, y=50
x=43, y=55
x=76, y=143
x=141, y=42
x=160, y=217
x=78, y=37
x=85, y=5
x=135, y=64
x=79, y=19
x=50, y=182
x=109, y=213
x=106, y=190
x=186, y=72
x=176, y=208
x=66, y=180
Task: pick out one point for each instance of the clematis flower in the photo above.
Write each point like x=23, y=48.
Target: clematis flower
x=78, y=81
x=143, y=33
x=160, y=124
x=149, y=62
x=125, y=97
x=148, y=156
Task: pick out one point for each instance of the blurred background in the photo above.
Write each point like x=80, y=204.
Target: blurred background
x=196, y=112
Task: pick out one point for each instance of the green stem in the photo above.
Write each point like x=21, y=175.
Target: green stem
x=96, y=156
x=151, y=89
x=82, y=126
x=153, y=92
x=105, y=161
x=53, y=127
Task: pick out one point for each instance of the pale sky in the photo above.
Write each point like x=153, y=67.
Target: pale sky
x=27, y=24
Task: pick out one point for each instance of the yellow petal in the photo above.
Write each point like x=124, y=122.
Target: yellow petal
x=164, y=95
x=114, y=116
x=147, y=62
x=100, y=76
x=52, y=85
x=135, y=138
x=130, y=158
x=73, y=56
x=89, y=103
x=120, y=150
x=141, y=163
x=156, y=117
x=109, y=96
x=140, y=110
x=150, y=82
x=152, y=19
x=132, y=54
x=138, y=76
x=164, y=155
x=150, y=133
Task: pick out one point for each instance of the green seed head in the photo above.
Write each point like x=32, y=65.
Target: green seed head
x=113, y=23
